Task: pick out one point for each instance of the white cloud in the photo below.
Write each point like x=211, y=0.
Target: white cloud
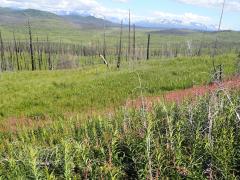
x=232, y=5
x=121, y=1
x=52, y=5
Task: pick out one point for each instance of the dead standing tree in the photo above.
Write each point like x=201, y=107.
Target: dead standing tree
x=16, y=51
x=31, y=46
x=120, y=47
x=215, y=71
x=38, y=55
x=48, y=51
x=129, y=35
x=104, y=39
x=134, y=42
x=148, y=46
x=2, y=62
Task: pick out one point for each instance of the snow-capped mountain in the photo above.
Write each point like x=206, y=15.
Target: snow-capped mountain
x=156, y=23
x=175, y=24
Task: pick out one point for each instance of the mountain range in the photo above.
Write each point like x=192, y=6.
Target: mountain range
x=15, y=17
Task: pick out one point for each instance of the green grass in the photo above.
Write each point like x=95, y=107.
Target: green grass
x=54, y=93
x=229, y=41
x=57, y=30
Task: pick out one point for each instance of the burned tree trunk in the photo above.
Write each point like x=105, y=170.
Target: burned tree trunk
x=16, y=51
x=2, y=62
x=129, y=36
x=104, y=40
x=148, y=47
x=39, y=55
x=10, y=64
x=50, y=67
x=120, y=47
x=134, y=42
x=31, y=47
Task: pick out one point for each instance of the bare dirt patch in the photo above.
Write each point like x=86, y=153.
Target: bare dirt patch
x=16, y=124
x=181, y=95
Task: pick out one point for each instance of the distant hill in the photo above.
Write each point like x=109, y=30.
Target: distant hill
x=88, y=21
x=13, y=17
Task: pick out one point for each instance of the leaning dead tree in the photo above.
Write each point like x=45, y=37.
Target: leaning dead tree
x=103, y=56
x=120, y=47
x=104, y=60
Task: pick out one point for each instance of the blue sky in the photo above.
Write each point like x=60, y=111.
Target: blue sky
x=201, y=11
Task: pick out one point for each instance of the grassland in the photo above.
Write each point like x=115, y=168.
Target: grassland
x=59, y=32
x=42, y=94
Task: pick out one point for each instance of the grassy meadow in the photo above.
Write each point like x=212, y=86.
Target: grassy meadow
x=41, y=94
x=57, y=31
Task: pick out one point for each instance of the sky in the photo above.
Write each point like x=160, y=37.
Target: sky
x=200, y=11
